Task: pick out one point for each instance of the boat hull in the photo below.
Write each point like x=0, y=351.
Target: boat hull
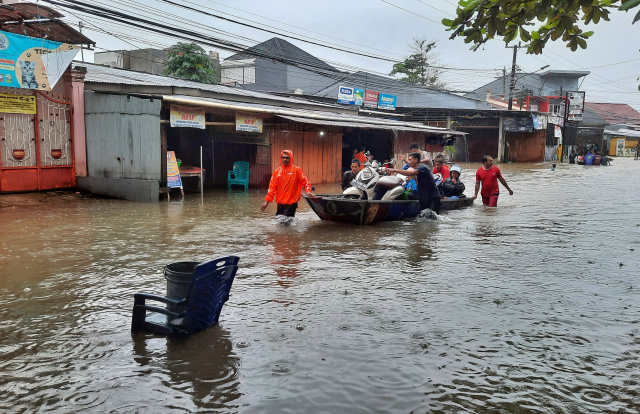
x=454, y=204
x=335, y=207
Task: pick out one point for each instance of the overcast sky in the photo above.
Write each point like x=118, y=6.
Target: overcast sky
x=383, y=28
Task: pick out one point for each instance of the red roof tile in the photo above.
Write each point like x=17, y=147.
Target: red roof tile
x=614, y=113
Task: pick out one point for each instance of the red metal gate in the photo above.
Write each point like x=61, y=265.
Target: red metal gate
x=36, y=151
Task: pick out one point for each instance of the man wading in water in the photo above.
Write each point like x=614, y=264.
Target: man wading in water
x=489, y=175
x=286, y=183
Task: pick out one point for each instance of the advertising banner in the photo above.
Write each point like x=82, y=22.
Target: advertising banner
x=173, y=172
x=371, y=99
x=33, y=63
x=346, y=95
x=248, y=122
x=387, y=101
x=575, y=102
x=187, y=117
x=17, y=104
x=523, y=124
x=358, y=95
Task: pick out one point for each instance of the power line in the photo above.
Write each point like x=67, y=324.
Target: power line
x=409, y=11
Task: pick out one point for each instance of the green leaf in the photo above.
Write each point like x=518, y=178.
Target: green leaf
x=524, y=34
x=628, y=4
x=635, y=19
x=447, y=22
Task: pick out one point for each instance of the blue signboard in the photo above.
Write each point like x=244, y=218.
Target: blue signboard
x=346, y=95
x=33, y=63
x=358, y=96
x=387, y=101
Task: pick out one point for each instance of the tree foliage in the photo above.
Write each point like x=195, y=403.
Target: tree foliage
x=479, y=21
x=190, y=61
x=418, y=67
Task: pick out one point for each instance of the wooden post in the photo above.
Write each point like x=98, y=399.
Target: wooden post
x=501, y=142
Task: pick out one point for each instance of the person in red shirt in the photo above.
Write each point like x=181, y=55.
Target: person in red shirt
x=440, y=168
x=286, y=183
x=489, y=175
x=361, y=157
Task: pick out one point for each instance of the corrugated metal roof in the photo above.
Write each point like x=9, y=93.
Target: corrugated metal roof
x=625, y=132
x=36, y=20
x=317, y=117
x=108, y=75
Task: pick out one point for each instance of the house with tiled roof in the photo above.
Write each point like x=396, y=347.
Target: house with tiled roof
x=621, y=133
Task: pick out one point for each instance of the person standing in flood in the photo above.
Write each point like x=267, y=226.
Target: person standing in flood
x=489, y=175
x=285, y=185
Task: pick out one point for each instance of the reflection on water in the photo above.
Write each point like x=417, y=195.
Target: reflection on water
x=530, y=307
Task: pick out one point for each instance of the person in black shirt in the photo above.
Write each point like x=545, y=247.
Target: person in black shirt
x=428, y=193
x=350, y=175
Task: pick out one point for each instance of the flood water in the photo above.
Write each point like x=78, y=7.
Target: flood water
x=533, y=307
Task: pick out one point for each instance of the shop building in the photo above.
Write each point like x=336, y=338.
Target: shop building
x=129, y=130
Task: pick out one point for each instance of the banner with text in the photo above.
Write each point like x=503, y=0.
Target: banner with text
x=33, y=63
x=371, y=99
x=248, y=122
x=387, y=101
x=575, y=101
x=173, y=172
x=346, y=95
x=17, y=104
x=187, y=117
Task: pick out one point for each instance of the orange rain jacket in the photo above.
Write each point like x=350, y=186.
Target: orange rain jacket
x=286, y=182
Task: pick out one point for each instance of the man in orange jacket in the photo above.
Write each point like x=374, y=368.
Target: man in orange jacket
x=286, y=183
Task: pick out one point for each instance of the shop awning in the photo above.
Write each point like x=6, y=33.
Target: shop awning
x=406, y=126
x=309, y=116
x=632, y=133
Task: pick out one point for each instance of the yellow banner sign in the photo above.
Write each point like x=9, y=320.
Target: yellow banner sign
x=187, y=116
x=17, y=104
x=248, y=122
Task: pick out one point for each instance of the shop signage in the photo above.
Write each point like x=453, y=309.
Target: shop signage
x=173, y=172
x=524, y=124
x=346, y=95
x=17, y=104
x=371, y=99
x=248, y=122
x=539, y=121
x=187, y=117
x=575, y=102
x=33, y=63
x=387, y=101
x=262, y=154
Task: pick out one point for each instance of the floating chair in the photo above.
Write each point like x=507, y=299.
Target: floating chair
x=207, y=293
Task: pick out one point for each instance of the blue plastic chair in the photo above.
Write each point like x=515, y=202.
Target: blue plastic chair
x=208, y=292
x=239, y=175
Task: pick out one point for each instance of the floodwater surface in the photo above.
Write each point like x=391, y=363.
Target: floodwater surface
x=532, y=307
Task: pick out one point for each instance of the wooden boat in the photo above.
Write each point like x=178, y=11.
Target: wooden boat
x=454, y=204
x=335, y=207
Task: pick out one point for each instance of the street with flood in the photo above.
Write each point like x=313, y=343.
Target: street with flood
x=530, y=307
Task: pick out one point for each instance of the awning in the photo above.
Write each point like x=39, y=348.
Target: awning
x=309, y=116
x=366, y=125
x=623, y=132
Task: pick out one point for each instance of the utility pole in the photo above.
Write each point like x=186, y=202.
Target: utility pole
x=512, y=84
x=504, y=80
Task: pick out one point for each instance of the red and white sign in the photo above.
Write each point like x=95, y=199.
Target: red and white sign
x=371, y=99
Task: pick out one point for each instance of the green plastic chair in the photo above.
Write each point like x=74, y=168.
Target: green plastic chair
x=239, y=175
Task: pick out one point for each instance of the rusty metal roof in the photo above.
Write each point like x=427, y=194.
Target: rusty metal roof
x=30, y=19
x=26, y=11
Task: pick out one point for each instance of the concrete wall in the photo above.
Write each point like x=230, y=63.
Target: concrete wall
x=123, y=144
